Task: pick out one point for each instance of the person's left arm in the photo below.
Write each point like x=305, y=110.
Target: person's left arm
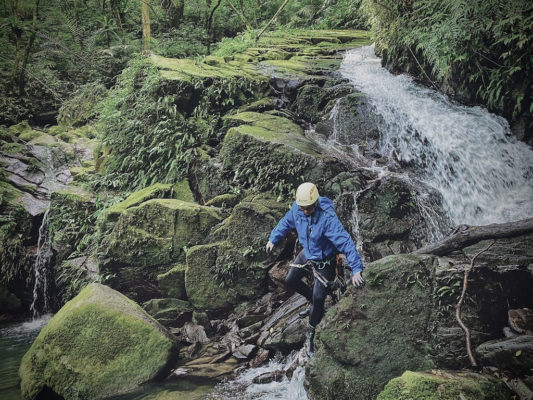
x=342, y=240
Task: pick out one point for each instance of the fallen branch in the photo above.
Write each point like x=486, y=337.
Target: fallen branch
x=468, y=235
x=460, y=303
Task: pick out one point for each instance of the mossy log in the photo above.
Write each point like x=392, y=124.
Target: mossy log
x=466, y=235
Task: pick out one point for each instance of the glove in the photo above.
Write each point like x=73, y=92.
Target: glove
x=269, y=247
x=357, y=279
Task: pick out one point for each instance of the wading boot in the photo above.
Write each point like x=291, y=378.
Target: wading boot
x=305, y=312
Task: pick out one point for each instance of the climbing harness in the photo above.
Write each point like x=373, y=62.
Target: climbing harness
x=337, y=286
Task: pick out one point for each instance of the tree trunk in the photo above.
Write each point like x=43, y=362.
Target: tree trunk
x=240, y=15
x=465, y=235
x=209, y=24
x=116, y=14
x=145, y=18
x=31, y=41
x=272, y=20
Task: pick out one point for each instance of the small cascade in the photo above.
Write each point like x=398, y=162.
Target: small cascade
x=466, y=154
x=244, y=388
x=41, y=290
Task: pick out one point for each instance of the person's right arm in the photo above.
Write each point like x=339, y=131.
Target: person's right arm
x=282, y=228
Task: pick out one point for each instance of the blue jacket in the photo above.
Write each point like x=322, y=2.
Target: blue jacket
x=321, y=234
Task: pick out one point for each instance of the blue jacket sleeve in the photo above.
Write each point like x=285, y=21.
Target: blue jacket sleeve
x=283, y=227
x=342, y=240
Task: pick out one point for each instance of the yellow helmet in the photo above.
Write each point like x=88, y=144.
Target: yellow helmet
x=306, y=194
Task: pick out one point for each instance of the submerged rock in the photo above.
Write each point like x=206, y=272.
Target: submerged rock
x=445, y=385
x=98, y=345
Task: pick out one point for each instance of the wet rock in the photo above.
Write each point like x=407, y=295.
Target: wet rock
x=267, y=377
x=521, y=320
x=514, y=354
x=261, y=357
x=79, y=354
x=445, y=385
x=170, y=312
x=195, y=333
x=245, y=352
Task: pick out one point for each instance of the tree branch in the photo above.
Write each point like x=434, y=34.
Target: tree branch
x=460, y=303
x=468, y=235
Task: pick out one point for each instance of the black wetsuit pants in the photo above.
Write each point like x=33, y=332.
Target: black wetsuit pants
x=317, y=296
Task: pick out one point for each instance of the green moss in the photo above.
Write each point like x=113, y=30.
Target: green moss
x=12, y=148
x=172, y=282
x=155, y=233
x=386, y=326
x=442, y=385
x=188, y=70
x=219, y=275
x=182, y=191
x=228, y=200
x=167, y=310
x=79, y=354
x=154, y=191
x=271, y=128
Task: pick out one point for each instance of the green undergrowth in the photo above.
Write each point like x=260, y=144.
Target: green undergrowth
x=480, y=51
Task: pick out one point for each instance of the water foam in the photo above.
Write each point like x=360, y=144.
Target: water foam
x=466, y=153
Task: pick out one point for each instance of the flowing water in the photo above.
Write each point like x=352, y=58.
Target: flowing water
x=243, y=388
x=15, y=340
x=467, y=154
x=41, y=289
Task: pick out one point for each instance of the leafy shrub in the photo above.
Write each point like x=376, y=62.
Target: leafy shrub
x=482, y=50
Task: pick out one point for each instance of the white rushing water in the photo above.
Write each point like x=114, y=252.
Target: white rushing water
x=243, y=388
x=41, y=288
x=466, y=153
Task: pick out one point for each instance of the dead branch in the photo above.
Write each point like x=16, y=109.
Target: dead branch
x=469, y=235
x=460, y=303
x=272, y=20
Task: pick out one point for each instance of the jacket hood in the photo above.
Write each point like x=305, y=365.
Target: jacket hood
x=326, y=204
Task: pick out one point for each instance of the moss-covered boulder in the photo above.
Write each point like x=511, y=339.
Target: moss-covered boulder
x=98, y=345
x=376, y=334
x=71, y=218
x=156, y=191
x=271, y=153
x=172, y=282
x=445, y=385
x=149, y=237
x=234, y=267
x=169, y=312
x=404, y=318
x=158, y=230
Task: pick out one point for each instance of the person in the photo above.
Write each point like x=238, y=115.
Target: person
x=323, y=237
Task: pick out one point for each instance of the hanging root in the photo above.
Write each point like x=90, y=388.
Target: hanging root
x=460, y=303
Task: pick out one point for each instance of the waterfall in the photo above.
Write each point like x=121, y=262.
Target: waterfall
x=41, y=289
x=466, y=154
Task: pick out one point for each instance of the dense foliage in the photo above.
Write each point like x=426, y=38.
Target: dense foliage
x=479, y=51
x=50, y=48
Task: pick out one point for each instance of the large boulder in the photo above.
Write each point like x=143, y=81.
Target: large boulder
x=150, y=236
x=234, y=266
x=100, y=344
x=376, y=334
x=446, y=385
x=404, y=319
x=271, y=153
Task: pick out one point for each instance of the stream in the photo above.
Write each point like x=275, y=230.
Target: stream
x=466, y=154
